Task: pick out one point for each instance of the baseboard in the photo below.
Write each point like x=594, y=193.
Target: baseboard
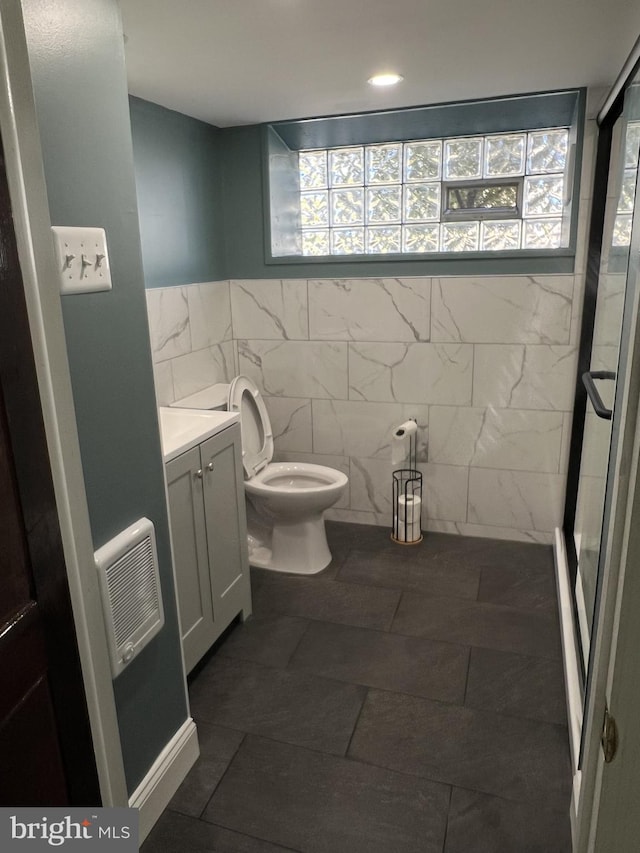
x=169, y=769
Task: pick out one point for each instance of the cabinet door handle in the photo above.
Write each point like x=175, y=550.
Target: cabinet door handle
x=210, y=466
x=198, y=474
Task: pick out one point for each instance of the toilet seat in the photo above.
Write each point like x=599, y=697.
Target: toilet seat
x=299, y=478
x=257, y=436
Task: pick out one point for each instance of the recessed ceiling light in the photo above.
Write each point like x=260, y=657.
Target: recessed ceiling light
x=385, y=79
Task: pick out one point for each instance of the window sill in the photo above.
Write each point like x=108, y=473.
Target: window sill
x=520, y=262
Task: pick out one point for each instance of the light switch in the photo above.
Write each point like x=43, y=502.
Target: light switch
x=82, y=259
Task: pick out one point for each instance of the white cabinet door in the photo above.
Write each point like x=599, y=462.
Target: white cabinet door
x=185, y=482
x=225, y=514
x=209, y=531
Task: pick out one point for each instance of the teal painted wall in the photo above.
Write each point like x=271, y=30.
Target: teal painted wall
x=77, y=64
x=209, y=185
x=178, y=178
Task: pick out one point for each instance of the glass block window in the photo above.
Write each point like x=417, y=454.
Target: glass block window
x=491, y=193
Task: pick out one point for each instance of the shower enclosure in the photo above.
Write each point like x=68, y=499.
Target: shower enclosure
x=605, y=405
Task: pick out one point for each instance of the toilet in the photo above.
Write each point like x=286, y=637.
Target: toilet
x=285, y=500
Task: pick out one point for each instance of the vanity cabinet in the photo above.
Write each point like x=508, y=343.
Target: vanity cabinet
x=209, y=532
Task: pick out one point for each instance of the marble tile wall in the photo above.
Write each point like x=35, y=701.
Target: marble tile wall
x=485, y=365
x=191, y=338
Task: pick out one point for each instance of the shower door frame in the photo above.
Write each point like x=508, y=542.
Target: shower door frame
x=592, y=276
x=622, y=488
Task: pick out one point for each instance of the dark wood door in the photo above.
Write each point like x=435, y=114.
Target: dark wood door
x=46, y=752
x=28, y=736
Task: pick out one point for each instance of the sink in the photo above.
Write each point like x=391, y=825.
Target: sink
x=182, y=429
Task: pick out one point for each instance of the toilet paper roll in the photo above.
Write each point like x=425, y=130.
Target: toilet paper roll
x=409, y=507
x=401, y=441
x=408, y=531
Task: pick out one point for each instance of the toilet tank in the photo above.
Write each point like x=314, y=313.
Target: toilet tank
x=211, y=397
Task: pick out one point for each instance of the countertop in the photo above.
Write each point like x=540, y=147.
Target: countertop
x=182, y=429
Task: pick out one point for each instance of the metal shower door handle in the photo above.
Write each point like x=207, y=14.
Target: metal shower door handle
x=592, y=392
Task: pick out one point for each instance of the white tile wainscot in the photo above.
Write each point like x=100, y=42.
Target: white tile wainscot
x=495, y=438
x=163, y=379
x=411, y=373
x=209, y=314
x=196, y=370
x=524, y=376
x=510, y=309
x=486, y=365
x=516, y=499
x=168, y=312
x=291, y=423
x=375, y=309
x=296, y=368
x=270, y=309
x=354, y=428
x=191, y=338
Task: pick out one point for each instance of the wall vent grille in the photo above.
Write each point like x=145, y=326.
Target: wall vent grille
x=131, y=597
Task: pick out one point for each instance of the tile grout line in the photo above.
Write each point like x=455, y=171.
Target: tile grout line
x=247, y=835
x=423, y=637
x=446, y=826
x=217, y=785
x=367, y=763
x=466, y=681
x=320, y=677
x=287, y=666
x=395, y=613
x=346, y=755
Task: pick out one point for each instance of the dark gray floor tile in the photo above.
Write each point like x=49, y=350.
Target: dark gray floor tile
x=323, y=804
x=175, y=833
x=389, y=661
x=289, y=706
x=516, y=684
x=477, y=623
x=449, y=549
x=217, y=748
x=327, y=600
x=411, y=571
x=518, y=759
x=482, y=824
x=332, y=570
x=513, y=555
x=345, y=536
x=270, y=640
x=528, y=585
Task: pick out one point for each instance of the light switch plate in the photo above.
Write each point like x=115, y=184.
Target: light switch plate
x=82, y=259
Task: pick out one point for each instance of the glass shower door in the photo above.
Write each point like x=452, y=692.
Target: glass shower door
x=601, y=378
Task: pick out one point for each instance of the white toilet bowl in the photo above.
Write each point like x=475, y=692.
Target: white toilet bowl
x=290, y=498
x=285, y=500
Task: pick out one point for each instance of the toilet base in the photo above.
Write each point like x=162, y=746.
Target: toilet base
x=299, y=548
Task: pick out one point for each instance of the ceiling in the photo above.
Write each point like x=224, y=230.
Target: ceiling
x=231, y=62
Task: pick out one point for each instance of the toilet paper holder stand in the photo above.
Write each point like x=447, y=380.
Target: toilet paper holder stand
x=407, y=500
